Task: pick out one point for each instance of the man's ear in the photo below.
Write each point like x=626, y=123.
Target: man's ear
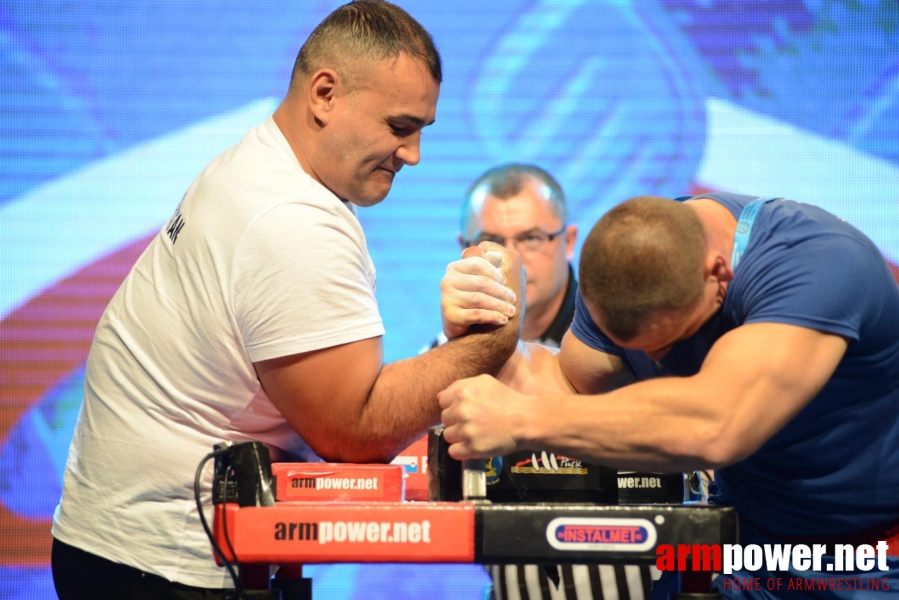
x=718, y=267
x=570, y=241
x=324, y=89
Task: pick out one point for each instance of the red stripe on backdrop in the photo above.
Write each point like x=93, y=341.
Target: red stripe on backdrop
x=41, y=342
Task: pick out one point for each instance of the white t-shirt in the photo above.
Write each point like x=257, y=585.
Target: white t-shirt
x=259, y=261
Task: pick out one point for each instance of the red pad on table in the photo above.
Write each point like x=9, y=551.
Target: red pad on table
x=338, y=482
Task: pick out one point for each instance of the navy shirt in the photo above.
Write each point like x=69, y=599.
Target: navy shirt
x=834, y=469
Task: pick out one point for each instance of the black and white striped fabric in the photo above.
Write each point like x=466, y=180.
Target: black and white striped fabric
x=576, y=582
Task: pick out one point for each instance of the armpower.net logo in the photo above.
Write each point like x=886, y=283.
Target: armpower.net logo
x=374, y=532
x=850, y=568
x=335, y=483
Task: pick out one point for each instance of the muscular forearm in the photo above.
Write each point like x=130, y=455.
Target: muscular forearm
x=659, y=425
x=669, y=424
x=392, y=406
x=403, y=401
x=753, y=382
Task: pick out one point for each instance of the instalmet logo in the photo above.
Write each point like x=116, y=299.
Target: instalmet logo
x=586, y=533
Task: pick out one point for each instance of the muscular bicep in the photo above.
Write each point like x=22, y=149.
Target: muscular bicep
x=764, y=374
x=591, y=371
x=322, y=393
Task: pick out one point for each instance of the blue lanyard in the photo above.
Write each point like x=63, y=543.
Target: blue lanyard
x=744, y=227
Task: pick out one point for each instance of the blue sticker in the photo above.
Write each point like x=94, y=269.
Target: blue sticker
x=494, y=469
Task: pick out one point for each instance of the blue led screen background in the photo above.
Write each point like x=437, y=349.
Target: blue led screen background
x=108, y=110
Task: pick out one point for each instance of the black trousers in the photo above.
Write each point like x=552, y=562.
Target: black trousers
x=79, y=575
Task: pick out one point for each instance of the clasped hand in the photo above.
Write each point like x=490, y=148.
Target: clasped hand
x=481, y=417
x=474, y=289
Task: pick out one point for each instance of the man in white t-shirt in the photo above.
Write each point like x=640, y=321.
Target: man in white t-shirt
x=252, y=316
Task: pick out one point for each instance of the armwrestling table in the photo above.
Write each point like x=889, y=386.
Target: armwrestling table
x=290, y=514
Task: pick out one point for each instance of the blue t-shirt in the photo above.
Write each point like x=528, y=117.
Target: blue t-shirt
x=833, y=469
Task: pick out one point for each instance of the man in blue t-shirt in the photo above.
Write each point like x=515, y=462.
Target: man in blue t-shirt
x=764, y=337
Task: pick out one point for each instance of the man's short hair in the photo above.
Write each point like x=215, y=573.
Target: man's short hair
x=506, y=181
x=365, y=31
x=642, y=258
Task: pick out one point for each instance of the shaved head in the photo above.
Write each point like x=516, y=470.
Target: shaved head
x=641, y=259
x=360, y=34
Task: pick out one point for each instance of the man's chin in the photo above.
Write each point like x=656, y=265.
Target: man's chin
x=366, y=202
x=375, y=189
x=370, y=198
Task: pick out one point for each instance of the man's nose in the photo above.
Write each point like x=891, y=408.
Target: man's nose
x=410, y=151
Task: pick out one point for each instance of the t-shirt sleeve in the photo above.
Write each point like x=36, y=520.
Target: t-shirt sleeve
x=585, y=329
x=303, y=281
x=823, y=285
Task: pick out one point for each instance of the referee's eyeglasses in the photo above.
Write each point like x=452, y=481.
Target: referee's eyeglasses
x=533, y=240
